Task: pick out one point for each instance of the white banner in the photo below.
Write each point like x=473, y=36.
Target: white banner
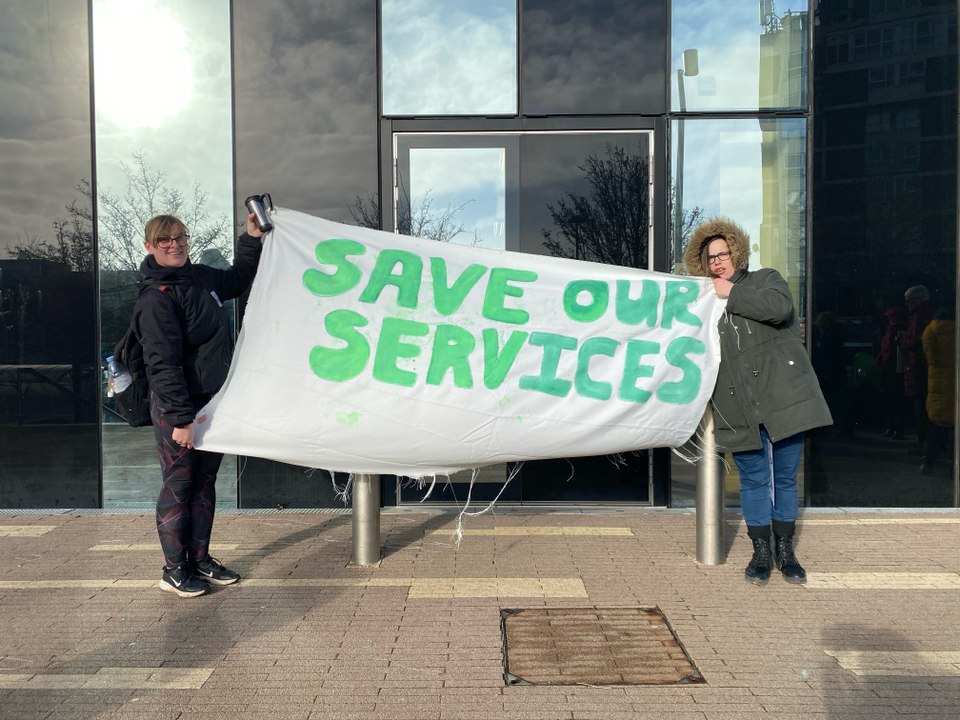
x=368, y=352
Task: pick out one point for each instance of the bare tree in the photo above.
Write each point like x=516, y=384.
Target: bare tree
x=611, y=224
x=420, y=221
x=121, y=220
x=72, y=243
x=123, y=216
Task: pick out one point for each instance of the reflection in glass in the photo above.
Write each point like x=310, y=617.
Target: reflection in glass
x=306, y=132
x=447, y=57
x=592, y=56
x=753, y=171
x=884, y=254
x=587, y=196
x=447, y=203
x=162, y=102
x=48, y=365
x=745, y=61
x=549, y=193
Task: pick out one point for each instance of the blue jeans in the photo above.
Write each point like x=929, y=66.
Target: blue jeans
x=768, y=480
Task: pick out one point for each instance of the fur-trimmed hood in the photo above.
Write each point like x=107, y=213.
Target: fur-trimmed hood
x=712, y=229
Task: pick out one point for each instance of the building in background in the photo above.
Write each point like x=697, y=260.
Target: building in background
x=600, y=130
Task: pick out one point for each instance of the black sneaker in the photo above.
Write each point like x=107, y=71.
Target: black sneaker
x=182, y=581
x=211, y=571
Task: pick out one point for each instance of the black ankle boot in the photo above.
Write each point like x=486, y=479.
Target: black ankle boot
x=787, y=562
x=758, y=571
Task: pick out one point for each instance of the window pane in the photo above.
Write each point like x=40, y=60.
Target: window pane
x=593, y=56
x=726, y=56
x=753, y=171
x=447, y=57
x=587, y=196
x=885, y=221
x=49, y=374
x=164, y=145
x=306, y=132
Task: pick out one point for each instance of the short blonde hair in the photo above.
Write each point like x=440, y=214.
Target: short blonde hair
x=163, y=226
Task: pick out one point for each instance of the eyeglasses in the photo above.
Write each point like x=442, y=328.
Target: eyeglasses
x=168, y=242
x=720, y=256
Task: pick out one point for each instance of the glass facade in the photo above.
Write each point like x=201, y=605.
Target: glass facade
x=828, y=130
x=885, y=221
x=445, y=57
x=727, y=57
x=157, y=152
x=49, y=376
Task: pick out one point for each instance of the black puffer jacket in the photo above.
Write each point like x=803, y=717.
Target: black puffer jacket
x=185, y=331
x=765, y=373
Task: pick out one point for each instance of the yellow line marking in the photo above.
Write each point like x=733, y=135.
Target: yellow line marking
x=551, y=530
x=113, y=678
x=881, y=521
x=419, y=587
x=8, y=682
x=884, y=581
x=918, y=663
x=25, y=530
x=326, y=582
x=118, y=547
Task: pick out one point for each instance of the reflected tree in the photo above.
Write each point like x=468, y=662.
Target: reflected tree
x=610, y=224
x=72, y=243
x=122, y=217
x=420, y=221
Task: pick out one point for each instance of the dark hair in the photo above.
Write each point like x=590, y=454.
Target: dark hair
x=705, y=250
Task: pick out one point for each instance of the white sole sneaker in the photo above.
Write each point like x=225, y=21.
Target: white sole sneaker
x=169, y=587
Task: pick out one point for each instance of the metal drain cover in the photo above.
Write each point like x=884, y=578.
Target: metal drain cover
x=593, y=646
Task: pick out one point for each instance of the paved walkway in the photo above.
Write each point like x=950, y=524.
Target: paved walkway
x=85, y=633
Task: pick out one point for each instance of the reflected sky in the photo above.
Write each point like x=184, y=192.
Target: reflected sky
x=179, y=116
x=306, y=102
x=44, y=116
x=723, y=173
x=727, y=39
x=593, y=56
x=470, y=181
x=447, y=57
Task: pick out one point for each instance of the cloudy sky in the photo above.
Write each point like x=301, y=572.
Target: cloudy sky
x=44, y=116
x=726, y=36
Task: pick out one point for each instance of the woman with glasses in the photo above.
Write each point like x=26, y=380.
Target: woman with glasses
x=187, y=347
x=767, y=394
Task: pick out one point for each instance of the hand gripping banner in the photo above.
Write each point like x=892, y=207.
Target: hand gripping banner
x=368, y=352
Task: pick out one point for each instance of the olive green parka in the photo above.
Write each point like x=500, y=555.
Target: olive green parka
x=765, y=375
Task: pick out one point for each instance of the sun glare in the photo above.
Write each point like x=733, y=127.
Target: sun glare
x=142, y=69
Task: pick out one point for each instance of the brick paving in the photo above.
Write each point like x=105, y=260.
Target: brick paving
x=85, y=633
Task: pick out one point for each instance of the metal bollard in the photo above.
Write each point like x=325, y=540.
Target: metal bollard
x=710, y=530
x=366, y=519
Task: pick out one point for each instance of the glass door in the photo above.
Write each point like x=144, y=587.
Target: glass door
x=579, y=195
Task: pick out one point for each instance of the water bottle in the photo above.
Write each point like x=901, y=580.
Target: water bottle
x=118, y=377
x=260, y=206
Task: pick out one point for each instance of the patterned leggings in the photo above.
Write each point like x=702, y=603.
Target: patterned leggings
x=188, y=497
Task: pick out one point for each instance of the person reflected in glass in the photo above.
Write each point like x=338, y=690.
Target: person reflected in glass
x=767, y=394
x=890, y=360
x=938, y=351
x=920, y=312
x=187, y=343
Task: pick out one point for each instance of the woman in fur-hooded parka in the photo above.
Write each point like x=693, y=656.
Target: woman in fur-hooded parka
x=765, y=373
x=766, y=396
